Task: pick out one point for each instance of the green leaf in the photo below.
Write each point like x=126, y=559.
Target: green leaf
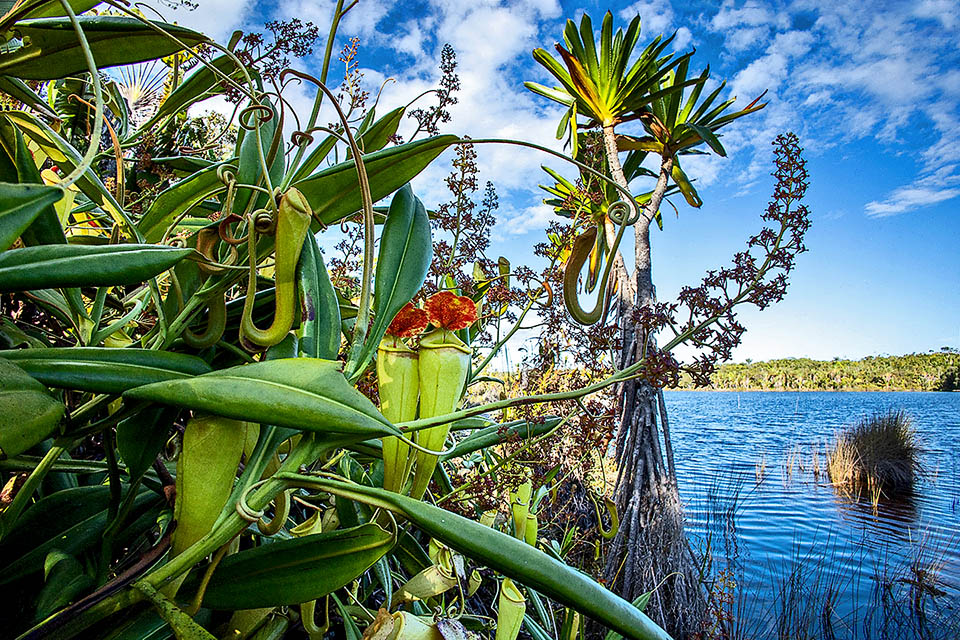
x=52, y=515
x=299, y=393
x=71, y=265
x=72, y=540
x=65, y=580
x=686, y=187
x=321, y=324
x=510, y=556
x=292, y=571
x=377, y=135
x=27, y=412
x=67, y=158
x=46, y=228
x=22, y=92
x=173, y=202
x=334, y=193
x=21, y=204
x=406, y=249
x=104, y=370
x=52, y=50
x=498, y=433
x=709, y=137
x=141, y=437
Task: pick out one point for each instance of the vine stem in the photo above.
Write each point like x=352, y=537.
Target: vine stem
x=94, y=146
x=338, y=14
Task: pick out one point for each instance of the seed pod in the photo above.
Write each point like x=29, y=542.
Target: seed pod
x=533, y=526
x=510, y=610
x=444, y=365
x=398, y=379
x=293, y=223
x=520, y=506
x=27, y=412
x=206, y=469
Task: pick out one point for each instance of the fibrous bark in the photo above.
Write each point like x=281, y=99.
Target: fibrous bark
x=650, y=551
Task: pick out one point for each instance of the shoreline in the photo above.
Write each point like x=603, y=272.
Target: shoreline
x=756, y=390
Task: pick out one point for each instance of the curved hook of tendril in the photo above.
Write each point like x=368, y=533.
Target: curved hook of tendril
x=292, y=225
x=207, y=240
x=611, y=507
x=281, y=512
x=582, y=246
x=267, y=115
x=216, y=324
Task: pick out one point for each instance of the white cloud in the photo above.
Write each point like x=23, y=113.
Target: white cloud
x=215, y=18
x=534, y=218
x=943, y=184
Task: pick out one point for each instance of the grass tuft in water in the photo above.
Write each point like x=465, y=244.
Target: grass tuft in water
x=878, y=455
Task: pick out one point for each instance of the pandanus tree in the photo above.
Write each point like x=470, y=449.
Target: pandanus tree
x=603, y=90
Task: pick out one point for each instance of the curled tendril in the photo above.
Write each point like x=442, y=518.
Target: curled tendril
x=621, y=208
x=264, y=222
x=223, y=230
x=244, y=510
x=227, y=175
x=300, y=137
x=267, y=116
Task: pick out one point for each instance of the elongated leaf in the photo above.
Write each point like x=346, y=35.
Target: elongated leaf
x=709, y=137
x=510, y=556
x=20, y=205
x=141, y=437
x=19, y=90
x=104, y=370
x=497, y=433
x=46, y=228
x=70, y=265
x=376, y=136
x=41, y=9
x=52, y=515
x=27, y=412
x=299, y=393
x=334, y=193
x=73, y=540
x=177, y=199
x=321, y=324
x=64, y=581
x=52, y=50
x=297, y=570
x=67, y=157
x=406, y=249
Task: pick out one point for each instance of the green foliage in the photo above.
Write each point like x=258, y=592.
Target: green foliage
x=134, y=273
x=911, y=372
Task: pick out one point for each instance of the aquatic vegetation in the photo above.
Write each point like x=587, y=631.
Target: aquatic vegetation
x=879, y=455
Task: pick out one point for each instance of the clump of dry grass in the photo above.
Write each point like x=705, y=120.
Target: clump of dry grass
x=880, y=454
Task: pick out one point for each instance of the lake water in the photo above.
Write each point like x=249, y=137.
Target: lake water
x=746, y=473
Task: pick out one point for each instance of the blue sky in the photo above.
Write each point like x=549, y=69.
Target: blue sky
x=872, y=89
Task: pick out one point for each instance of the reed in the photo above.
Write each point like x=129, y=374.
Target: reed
x=879, y=455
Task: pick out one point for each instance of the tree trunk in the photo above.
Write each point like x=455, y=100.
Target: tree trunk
x=650, y=551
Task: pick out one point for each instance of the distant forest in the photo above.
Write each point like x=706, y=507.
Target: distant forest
x=913, y=372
